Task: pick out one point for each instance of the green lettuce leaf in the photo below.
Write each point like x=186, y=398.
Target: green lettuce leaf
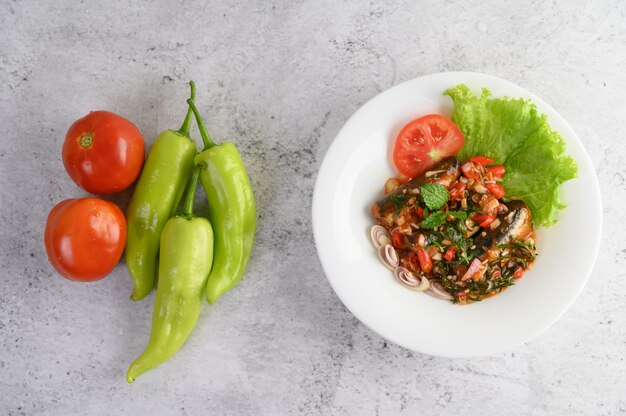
x=515, y=134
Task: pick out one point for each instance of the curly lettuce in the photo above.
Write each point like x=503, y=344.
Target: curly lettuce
x=515, y=134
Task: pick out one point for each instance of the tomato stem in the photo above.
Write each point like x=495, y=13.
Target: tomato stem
x=184, y=129
x=206, y=139
x=191, y=193
x=86, y=140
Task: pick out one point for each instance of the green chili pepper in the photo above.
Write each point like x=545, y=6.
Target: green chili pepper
x=185, y=261
x=231, y=210
x=167, y=169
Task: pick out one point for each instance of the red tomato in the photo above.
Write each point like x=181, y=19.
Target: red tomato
x=496, y=190
x=482, y=160
x=424, y=142
x=519, y=272
x=103, y=152
x=413, y=262
x=397, y=239
x=469, y=170
x=484, y=220
x=457, y=191
x=449, y=255
x=85, y=238
x=496, y=170
x=426, y=262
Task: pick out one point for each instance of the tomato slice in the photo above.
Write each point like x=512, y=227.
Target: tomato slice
x=424, y=142
x=470, y=171
x=482, y=160
x=496, y=170
x=496, y=190
x=396, y=239
x=457, y=191
x=484, y=220
x=450, y=253
x=425, y=261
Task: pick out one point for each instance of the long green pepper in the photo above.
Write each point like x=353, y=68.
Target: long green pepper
x=158, y=192
x=185, y=261
x=232, y=210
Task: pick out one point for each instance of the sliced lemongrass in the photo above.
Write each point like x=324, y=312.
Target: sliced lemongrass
x=380, y=236
x=388, y=256
x=410, y=280
x=436, y=290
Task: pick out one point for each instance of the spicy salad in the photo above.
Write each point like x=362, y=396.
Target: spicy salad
x=458, y=221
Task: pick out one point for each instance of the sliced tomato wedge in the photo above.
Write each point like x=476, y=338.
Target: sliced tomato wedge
x=457, y=191
x=484, y=220
x=496, y=190
x=426, y=262
x=469, y=170
x=482, y=160
x=424, y=142
x=397, y=239
x=450, y=253
x=496, y=170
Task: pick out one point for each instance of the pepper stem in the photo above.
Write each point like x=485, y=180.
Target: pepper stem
x=206, y=139
x=190, y=193
x=184, y=129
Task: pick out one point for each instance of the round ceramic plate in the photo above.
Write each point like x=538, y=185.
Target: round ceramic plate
x=352, y=177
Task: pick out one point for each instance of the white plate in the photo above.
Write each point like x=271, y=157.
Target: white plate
x=351, y=178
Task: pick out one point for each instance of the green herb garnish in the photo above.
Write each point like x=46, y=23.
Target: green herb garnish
x=434, y=220
x=459, y=215
x=434, y=195
x=437, y=219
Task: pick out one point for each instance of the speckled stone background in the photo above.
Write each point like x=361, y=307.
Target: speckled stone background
x=279, y=78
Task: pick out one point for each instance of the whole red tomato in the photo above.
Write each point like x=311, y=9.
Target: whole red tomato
x=103, y=152
x=85, y=238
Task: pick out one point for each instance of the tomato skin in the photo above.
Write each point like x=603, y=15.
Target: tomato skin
x=85, y=238
x=496, y=190
x=397, y=239
x=426, y=262
x=482, y=160
x=103, y=153
x=424, y=142
x=484, y=220
x=457, y=191
x=413, y=262
x=469, y=171
x=450, y=253
x=496, y=170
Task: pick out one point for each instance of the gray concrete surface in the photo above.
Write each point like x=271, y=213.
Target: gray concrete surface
x=279, y=78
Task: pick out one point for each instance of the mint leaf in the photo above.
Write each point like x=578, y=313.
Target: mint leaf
x=434, y=220
x=434, y=195
x=437, y=219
